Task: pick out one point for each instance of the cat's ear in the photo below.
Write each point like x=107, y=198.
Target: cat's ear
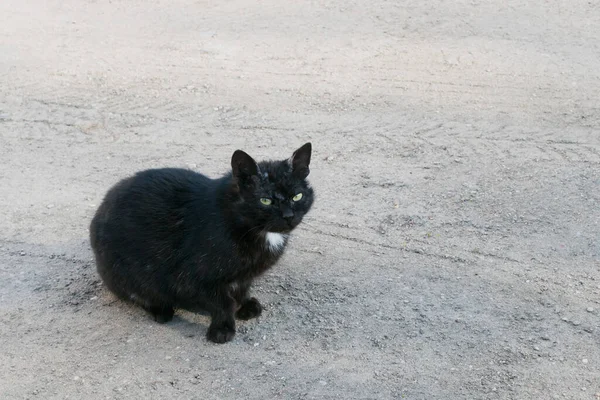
x=243, y=165
x=300, y=161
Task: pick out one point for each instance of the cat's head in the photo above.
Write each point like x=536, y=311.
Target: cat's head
x=273, y=196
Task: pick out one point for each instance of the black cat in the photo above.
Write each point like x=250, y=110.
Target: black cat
x=172, y=238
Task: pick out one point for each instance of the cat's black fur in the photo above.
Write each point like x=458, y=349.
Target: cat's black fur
x=172, y=238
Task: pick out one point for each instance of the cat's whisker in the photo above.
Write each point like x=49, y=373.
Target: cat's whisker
x=250, y=230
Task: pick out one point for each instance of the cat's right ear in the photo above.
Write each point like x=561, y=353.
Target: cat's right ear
x=243, y=165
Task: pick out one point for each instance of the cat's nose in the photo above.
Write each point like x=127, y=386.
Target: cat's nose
x=287, y=213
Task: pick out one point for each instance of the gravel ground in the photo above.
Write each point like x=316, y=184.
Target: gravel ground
x=453, y=251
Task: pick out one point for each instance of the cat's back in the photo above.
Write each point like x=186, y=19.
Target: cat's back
x=158, y=186
x=152, y=200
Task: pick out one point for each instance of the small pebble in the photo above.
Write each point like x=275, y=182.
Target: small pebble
x=585, y=361
x=590, y=309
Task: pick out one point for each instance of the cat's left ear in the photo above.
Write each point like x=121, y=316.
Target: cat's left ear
x=300, y=161
x=243, y=165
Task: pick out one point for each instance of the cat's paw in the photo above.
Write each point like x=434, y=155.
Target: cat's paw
x=161, y=315
x=164, y=317
x=220, y=333
x=251, y=308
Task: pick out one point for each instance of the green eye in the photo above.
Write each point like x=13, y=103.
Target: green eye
x=297, y=197
x=265, y=201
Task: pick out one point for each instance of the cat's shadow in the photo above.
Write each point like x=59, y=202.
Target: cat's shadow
x=189, y=324
x=87, y=289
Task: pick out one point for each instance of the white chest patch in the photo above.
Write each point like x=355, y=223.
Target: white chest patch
x=275, y=241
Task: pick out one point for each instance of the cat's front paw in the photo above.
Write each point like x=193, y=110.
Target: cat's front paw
x=251, y=308
x=220, y=333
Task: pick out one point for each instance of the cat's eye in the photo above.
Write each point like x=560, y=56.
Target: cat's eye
x=297, y=197
x=265, y=201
